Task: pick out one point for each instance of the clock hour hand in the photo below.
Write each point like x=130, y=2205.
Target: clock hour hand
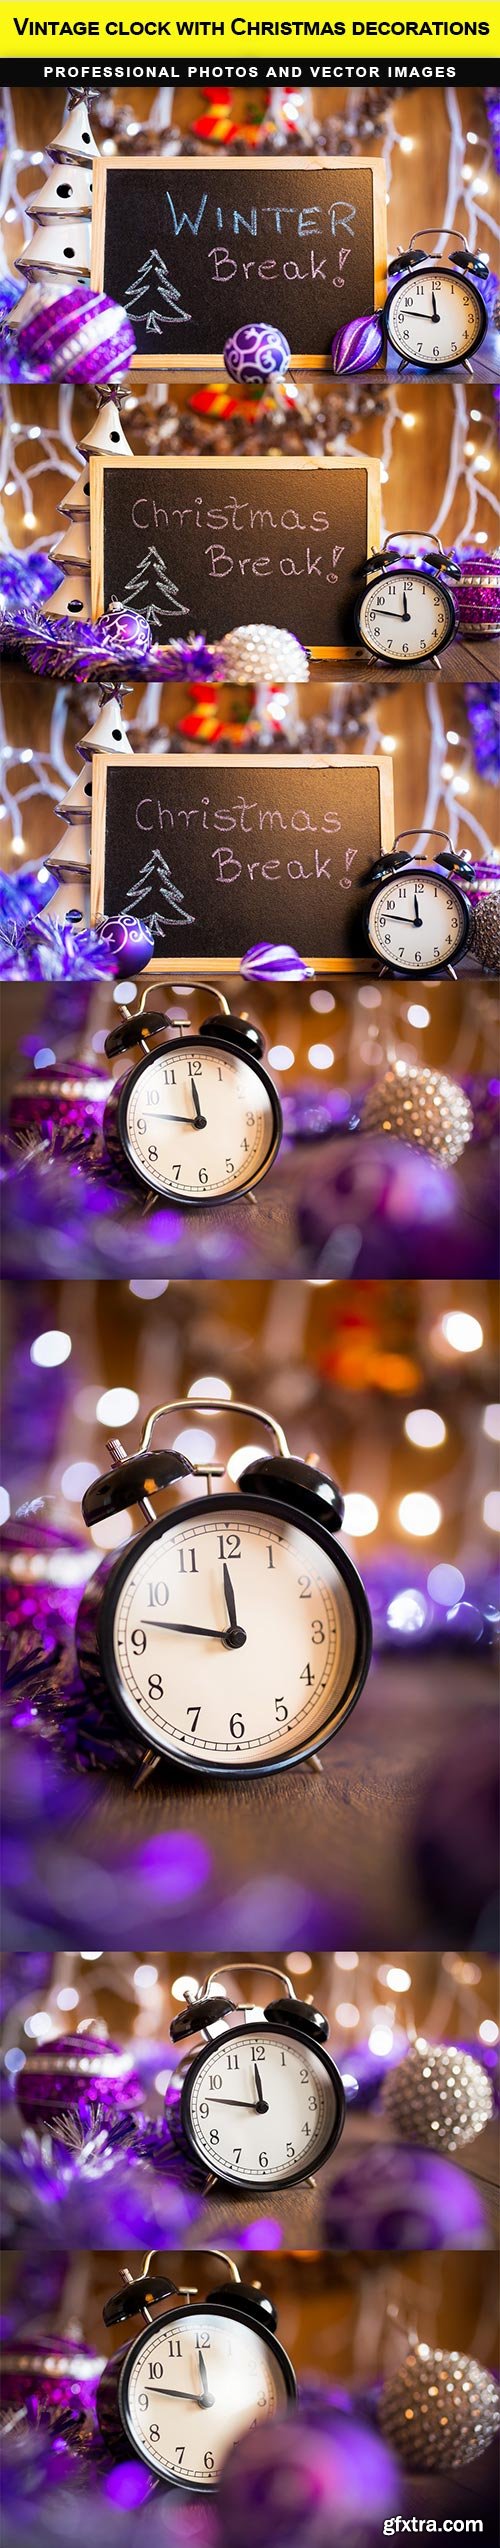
x=205, y=2399
x=261, y=2104
x=235, y=1636
x=200, y=1120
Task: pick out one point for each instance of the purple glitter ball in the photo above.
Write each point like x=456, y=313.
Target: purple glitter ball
x=59, y=2074
x=80, y=335
x=403, y=2198
x=358, y=345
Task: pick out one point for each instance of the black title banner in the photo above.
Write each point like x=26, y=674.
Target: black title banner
x=262, y=73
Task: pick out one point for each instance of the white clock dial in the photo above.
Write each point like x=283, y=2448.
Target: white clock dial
x=197, y=2382
x=435, y=318
x=405, y=616
x=199, y=1123
x=416, y=922
x=262, y=2107
x=234, y=1637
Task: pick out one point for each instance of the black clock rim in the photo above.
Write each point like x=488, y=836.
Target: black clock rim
x=407, y=971
x=170, y=1194
x=420, y=576
x=341, y=1564
x=277, y=2185
x=170, y=2318
x=455, y=361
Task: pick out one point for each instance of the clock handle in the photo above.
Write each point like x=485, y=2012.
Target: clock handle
x=448, y=857
x=214, y=1407
x=462, y=256
x=246, y=1966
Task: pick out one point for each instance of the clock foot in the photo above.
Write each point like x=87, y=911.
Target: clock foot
x=316, y=1764
x=151, y=1762
x=468, y=367
x=436, y=659
x=210, y=2182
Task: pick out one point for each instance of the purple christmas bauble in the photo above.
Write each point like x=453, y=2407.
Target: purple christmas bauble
x=456, y=1836
x=358, y=345
x=131, y=945
x=257, y=353
x=48, y=2372
x=403, y=2198
x=297, y=2484
x=62, y=1093
x=59, y=2074
x=80, y=335
x=265, y=963
x=120, y=637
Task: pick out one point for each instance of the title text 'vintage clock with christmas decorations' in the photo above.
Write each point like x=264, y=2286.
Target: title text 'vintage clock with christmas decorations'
x=261, y=2103
x=251, y=1590
x=196, y=2377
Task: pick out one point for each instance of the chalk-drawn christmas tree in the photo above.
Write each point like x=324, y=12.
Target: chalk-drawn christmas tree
x=153, y=280
x=152, y=568
x=155, y=878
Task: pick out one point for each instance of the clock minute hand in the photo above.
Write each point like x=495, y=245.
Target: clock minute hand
x=235, y=1636
x=261, y=2104
x=200, y=1120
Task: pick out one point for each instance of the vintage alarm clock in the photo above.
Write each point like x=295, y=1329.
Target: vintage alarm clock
x=249, y=1591
x=198, y=1120
x=418, y=919
x=435, y=315
x=405, y=611
x=261, y=2103
x=198, y=2375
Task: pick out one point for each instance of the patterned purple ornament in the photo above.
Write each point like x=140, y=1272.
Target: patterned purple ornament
x=257, y=353
x=265, y=963
x=120, y=638
x=80, y=335
x=406, y=2198
x=359, y=345
x=59, y=2074
x=131, y=945
x=47, y=2374
x=67, y=1093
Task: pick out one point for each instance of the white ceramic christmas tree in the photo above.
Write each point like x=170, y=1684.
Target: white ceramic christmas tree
x=72, y=599
x=70, y=860
x=61, y=211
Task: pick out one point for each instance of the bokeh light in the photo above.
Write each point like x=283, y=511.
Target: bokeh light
x=52, y=1347
x=360, y=1516
x=420, y=1515
x=424, y=1427
x=462, y=1332
x=117, y=1406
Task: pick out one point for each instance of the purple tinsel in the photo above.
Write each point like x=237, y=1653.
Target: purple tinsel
x=80, y=335
x=49, y=950
x=492, y=104
x=95, y=2191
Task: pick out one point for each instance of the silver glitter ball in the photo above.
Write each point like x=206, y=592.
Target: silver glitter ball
x=439, y=2096
x=257, y=653
x=485, y=931
x=440, y=2410
x=421, y=1107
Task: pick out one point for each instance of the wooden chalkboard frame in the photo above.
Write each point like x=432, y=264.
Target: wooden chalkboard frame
x=338, y=461
x=187, y=363
x=175, y=968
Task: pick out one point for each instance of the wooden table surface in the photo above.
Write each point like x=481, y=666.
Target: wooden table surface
x=335, y=1846
x=300, y=2211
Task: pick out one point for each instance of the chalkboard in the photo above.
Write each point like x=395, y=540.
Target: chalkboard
x=214, y=854
x=194, y=249
x=206, y=545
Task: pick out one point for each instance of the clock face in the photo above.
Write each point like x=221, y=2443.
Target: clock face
x=234, y=1637
x=199, y=1122
x=192, y=2384
x=262, y=2107
x=405, y=616
x=417, y=922
x=435, y=318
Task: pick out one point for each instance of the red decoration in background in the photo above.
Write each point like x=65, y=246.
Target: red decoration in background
x=204, y=723
x=218, y=122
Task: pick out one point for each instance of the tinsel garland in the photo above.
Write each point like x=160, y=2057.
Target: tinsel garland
x=35, y=947
x=97, y=2182
x=483, y=714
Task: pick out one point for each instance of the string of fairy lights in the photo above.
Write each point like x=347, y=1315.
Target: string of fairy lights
x=384, y=2002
